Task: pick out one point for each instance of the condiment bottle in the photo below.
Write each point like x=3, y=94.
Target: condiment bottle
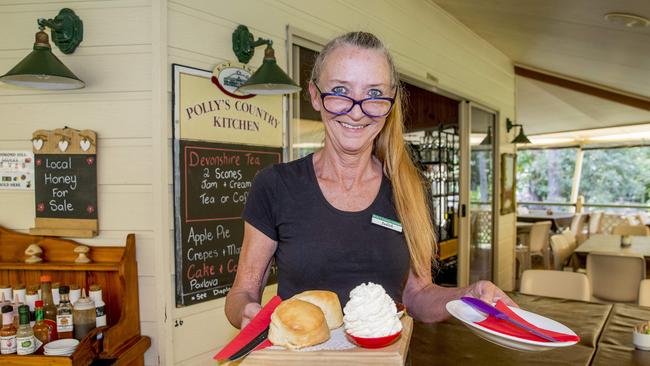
x=15, y=305
x=56, y=297
x=49, y=310
x=84, y=316
x=42, y=331
x=64, y=321
x=20, y=291
x=8, y=331
x=100, y=307
x=6, y=293
x=75, y=294
x=30, y=300
x=25, y=335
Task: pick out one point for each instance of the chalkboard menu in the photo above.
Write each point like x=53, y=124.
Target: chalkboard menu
x=212, y=185
x=66, y=186
x=65, y=182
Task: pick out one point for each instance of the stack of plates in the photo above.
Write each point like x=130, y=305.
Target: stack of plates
x=62, y=347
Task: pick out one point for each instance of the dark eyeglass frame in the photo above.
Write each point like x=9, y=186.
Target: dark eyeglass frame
x=355, y=102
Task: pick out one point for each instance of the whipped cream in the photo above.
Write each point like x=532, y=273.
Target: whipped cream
x=371, y=313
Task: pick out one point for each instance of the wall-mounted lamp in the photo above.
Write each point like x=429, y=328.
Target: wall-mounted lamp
x=41, y=69
x=269, y=78
x=488, y=138
x=521, y=137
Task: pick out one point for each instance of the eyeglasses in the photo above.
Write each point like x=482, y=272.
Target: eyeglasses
x=340, y=104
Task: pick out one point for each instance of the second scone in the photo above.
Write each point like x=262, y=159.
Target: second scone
x=296, y=324
x=328, y=302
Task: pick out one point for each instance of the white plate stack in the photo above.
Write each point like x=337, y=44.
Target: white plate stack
x=62, y=347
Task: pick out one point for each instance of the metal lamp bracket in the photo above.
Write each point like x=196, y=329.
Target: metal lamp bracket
x=243, y=43
x=67, y=30
x=510, y=125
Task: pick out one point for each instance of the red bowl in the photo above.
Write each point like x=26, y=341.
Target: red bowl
x=378, y=342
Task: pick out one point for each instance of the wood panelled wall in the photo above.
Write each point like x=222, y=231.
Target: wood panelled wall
x=114, y=60
x=125, y=59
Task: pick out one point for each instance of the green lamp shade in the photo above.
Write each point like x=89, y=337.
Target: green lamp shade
x=269, y=78
x=41, y=69
x=488, y=138
x=521, y=138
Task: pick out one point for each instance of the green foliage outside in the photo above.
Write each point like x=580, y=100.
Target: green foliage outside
x=609, y=176
x=617, y=176
x=545, y=175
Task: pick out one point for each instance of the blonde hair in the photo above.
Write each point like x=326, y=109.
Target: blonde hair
x=409, y=194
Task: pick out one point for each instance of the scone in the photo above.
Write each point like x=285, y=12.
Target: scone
x=296, y=324
x=328, y=302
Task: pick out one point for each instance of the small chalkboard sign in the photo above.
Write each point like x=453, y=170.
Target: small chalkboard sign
x=213, y=184
x=65, y=182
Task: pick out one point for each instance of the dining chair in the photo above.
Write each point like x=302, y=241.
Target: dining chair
x=570, y=239
x=561, y=250
x=644, y=293
x=633, y=219
x=578, y=227
x=538, y=241
x=595, y=222
x=614, y=276
x=610, y=221
x=638, y=230
x=565, y=285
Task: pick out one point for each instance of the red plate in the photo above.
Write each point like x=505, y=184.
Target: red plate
x=378, y=342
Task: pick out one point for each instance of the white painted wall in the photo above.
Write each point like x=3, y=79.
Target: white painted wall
x=125, y=60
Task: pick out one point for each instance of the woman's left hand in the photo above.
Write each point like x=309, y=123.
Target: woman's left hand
x=488, y=292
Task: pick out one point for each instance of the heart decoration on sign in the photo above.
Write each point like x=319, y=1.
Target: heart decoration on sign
x=39, y=162
x=40, y=207
x=38, y=143
x=63, y=145
x=90, y=209
x=84, y=144
x=90, y=160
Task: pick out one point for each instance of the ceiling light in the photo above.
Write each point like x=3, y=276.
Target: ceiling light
x=628, y=20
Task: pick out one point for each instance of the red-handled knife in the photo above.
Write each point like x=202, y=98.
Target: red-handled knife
x=251, y=336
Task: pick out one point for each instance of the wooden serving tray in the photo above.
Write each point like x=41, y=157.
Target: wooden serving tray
x=392, y=355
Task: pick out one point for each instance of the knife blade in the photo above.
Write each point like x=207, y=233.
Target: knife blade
x=250, y=347
x=486, y=308
x=255, y=330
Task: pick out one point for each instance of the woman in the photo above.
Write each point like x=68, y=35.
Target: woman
x=319, y=215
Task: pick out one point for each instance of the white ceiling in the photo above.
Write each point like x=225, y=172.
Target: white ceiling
x=567, y=38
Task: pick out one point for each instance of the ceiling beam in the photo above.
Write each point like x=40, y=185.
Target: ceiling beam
x=613, y=95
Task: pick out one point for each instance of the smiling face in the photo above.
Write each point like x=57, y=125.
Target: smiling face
x=357, y=73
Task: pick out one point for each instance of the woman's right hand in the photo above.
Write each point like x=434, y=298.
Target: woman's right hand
x=250, y=310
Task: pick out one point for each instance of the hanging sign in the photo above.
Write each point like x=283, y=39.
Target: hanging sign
x=17, y=170
x=221, y=140
x=65, y=181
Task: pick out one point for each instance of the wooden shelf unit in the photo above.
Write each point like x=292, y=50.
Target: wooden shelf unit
x=113, y=268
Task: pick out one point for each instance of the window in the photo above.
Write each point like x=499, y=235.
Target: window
x=616, y=175
x=545, y=175
x=306, y=129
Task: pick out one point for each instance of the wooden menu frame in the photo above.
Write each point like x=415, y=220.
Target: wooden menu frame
x=508, y=182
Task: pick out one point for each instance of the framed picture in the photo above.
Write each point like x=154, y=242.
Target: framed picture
x=508, y=166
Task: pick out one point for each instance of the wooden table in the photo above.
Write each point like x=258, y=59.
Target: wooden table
x=452, y=343
x=558, y=219
x=615, y=346
x=612, y=243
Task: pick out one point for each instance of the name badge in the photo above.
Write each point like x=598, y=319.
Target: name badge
x=387, y=223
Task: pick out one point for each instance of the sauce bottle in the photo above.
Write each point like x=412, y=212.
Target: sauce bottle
x=84, y=316
x=42, y=331
x=100, y=307
x=8, y=331
x=49, y=310
x=25, y=335
x=64, y=321
x=30, y=300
